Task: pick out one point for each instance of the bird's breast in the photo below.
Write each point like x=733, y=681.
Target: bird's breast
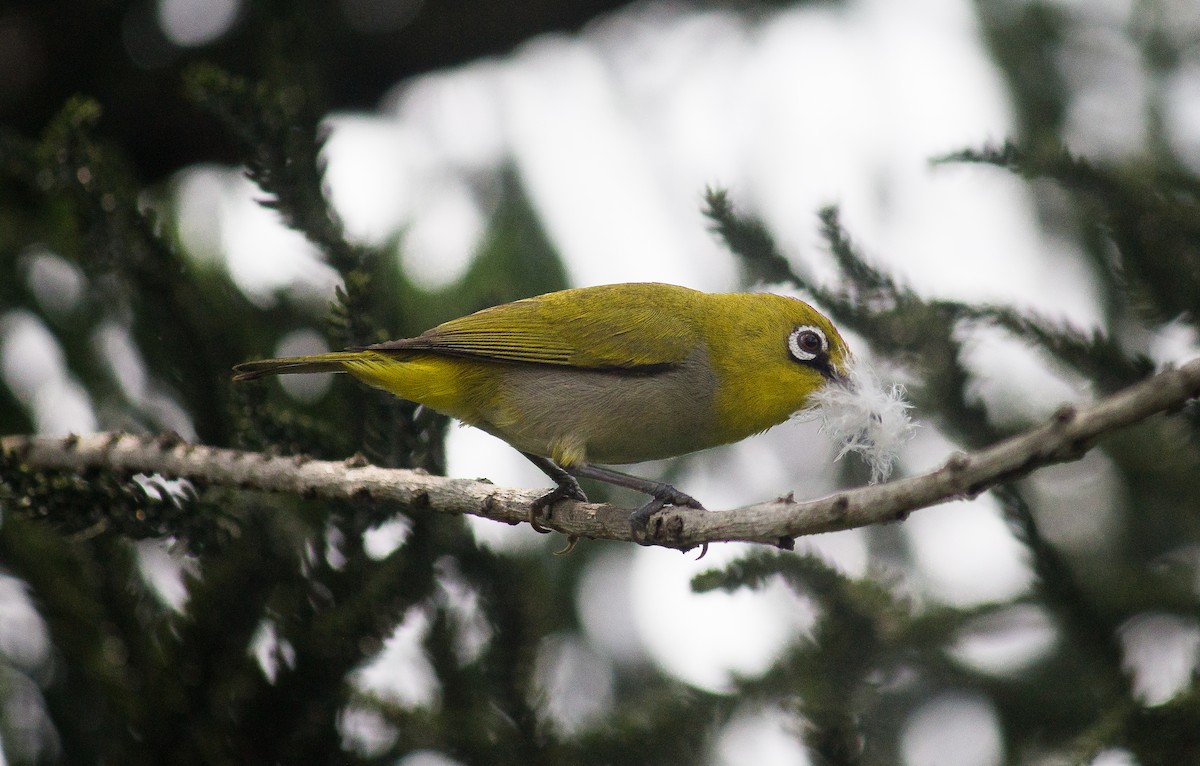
x=605, y=416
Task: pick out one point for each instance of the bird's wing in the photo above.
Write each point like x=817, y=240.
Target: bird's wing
x=633, y=327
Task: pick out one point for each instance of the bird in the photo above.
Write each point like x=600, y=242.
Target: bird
x=581, y=379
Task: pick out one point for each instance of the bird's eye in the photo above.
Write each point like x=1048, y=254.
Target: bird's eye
x=806, y=343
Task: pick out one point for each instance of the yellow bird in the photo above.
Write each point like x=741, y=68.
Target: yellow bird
x=607, y=375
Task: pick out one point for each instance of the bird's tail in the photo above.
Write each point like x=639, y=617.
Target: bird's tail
x=333, y=362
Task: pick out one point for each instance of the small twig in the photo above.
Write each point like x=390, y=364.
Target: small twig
x=1066, y=437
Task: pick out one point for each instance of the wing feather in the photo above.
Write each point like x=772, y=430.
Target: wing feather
x=633, y=326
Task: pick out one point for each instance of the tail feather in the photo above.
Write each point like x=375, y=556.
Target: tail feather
x=334, y=362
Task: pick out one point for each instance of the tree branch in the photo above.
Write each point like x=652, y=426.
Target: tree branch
x=1066, y=437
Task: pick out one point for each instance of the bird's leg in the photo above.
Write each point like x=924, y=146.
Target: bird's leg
x=658, y=490
x=661, y=494
x=566, y=488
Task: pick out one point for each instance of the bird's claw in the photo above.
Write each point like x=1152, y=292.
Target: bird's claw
x=563, y=491
x=572, y=541
x=639, y=520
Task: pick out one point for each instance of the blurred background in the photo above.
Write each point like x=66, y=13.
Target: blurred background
x=996, y=201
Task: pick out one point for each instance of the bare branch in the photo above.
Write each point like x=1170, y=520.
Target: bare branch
x=1068, y=435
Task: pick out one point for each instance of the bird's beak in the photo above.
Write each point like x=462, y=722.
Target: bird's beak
x=840, y=376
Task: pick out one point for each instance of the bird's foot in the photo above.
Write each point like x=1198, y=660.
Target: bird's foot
x=662, y=495
x=568, y=489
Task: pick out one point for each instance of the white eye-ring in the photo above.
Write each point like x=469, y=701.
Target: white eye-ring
x=807, y=342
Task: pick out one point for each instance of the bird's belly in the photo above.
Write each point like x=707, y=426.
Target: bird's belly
x=575, y=416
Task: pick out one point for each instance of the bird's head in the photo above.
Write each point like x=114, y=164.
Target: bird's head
x=781, y=357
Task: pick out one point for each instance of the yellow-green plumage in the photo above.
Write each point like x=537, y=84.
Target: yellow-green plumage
x=611, y=374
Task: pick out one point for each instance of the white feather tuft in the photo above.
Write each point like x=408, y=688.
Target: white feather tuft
x=865, y=416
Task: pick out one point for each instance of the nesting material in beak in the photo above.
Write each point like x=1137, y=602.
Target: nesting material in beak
x=866, y=417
